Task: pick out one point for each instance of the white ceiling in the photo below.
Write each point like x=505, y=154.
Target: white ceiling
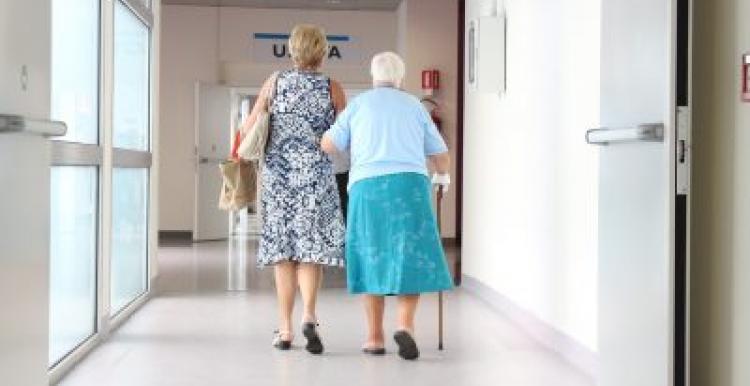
x=383, y=5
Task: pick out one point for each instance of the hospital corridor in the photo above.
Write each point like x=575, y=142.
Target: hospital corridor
x=374, y=192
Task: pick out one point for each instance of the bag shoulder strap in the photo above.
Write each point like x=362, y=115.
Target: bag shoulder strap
x=272, y=94
x=330, y=94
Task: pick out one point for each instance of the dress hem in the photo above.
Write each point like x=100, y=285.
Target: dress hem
x=328, y=262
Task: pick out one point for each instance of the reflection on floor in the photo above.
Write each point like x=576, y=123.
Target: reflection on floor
x=211, y=320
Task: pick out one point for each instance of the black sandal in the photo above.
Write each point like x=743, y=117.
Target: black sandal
x=314, y=345
x=279, y=343
x=374, y=350
x=407, y=347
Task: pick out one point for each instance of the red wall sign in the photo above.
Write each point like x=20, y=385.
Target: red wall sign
x=430, y=80
x=746, y=77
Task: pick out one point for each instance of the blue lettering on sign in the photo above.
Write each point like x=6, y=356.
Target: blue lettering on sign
x=274, y=36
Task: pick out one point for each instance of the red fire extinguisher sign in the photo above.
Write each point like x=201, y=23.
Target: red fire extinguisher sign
x=430, y=81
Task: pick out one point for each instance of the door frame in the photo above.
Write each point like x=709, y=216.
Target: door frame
x=682, y=166
x=460, y=66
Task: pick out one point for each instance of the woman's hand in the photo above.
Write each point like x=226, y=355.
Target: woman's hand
x=327, y=145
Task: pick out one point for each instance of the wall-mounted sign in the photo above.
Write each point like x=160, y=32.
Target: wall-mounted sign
x=273, y=48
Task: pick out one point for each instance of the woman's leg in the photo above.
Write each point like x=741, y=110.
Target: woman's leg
x=374, y=308
x=286, y=289
x=407, y=307
x=309, y=277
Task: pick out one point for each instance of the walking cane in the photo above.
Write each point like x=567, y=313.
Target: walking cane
x=440, y=294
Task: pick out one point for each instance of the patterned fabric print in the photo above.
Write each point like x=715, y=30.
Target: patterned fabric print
x=392, y=242
x=302, y=218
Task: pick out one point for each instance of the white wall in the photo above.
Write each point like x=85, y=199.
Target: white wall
x=212, y=44
x=429, y=41
x=189, y=53
x=530, y=221
x=402, y=27
x=32, y=51
x=720, y=244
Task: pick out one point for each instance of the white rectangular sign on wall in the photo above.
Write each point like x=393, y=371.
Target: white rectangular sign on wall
x=274, y=48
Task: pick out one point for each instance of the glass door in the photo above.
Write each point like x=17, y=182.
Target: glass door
x=131, y=157
x=74, y=199
x=101, y=176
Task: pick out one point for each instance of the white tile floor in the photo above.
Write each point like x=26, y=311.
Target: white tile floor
x=195, y=332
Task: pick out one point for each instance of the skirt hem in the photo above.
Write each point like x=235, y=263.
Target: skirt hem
x=359, y=291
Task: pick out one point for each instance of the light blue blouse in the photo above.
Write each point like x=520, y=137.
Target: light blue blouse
x=386, y=131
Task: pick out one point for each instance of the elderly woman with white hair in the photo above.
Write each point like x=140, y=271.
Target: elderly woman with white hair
x=392, y=241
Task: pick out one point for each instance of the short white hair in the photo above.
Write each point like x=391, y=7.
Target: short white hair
x=387, y=67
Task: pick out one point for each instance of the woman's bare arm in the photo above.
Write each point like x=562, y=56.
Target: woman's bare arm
x=441, y=162
x=338, y=96
x=258, y=107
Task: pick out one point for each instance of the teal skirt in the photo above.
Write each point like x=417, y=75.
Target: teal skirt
x=392, y=241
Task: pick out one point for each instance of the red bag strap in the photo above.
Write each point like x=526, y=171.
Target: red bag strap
x=236, y=144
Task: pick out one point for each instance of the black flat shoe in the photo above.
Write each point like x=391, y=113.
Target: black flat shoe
x=407, y=347
x=374, y=350
x=280, y=343
x=314, y=345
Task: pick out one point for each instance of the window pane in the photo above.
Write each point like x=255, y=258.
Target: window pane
x=75, y=68
x=129, y=236
x=131, y=87
x=73, y=251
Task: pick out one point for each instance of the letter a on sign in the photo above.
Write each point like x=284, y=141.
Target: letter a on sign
x=334, y=53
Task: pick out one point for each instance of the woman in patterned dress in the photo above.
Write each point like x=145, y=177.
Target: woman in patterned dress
x=392, y=241
x=303, y=228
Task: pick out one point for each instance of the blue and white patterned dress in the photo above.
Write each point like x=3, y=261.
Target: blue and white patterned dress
x=302, y=219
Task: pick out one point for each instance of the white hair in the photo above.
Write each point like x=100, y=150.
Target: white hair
x=387, y=67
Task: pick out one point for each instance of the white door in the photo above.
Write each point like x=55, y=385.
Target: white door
x=213, y=122
x=637, y=194
x=24, y=199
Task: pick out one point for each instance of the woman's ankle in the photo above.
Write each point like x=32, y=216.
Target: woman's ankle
x=285, y=328
x=378, y=337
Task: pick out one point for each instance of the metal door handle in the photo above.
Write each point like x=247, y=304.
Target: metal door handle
x=649, y=132
x=17, y=123
x=208, y=160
